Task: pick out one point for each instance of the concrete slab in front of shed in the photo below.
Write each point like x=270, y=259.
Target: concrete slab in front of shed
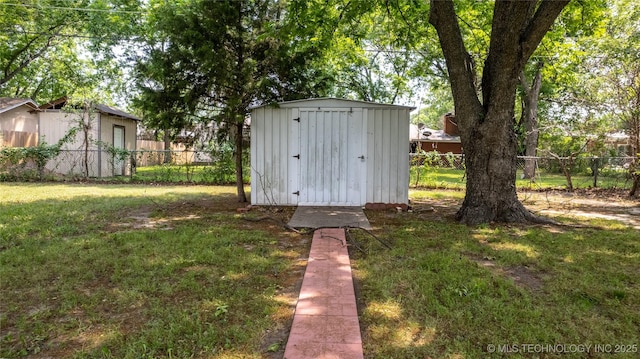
x=329, y=217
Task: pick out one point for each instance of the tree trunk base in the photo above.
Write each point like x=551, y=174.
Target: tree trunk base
x=515, y=212
x=634, y=187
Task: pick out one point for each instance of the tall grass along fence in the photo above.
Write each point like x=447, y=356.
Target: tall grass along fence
x=212, y=167
x=435, y=170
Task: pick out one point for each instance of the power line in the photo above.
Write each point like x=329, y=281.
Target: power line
x=76, y=36
x=87, y=9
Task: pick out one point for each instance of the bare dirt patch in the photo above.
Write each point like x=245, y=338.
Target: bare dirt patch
x=613, y=205
x=607, y=204
x=521, y=275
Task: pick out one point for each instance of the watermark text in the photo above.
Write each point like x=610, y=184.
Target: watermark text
x=529, y=348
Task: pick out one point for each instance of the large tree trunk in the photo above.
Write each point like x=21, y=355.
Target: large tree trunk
x=242, y=197
x=240, y=108
x=490, y=158
x=487, y=127
x=530, y=121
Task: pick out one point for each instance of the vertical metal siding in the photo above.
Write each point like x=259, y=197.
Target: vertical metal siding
x=270, y=158
x=293, y=142
x=403, y=156
x=388, y=163
x=329, y=142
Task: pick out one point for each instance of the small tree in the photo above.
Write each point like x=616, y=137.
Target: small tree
x=208, y=61
x=529, y=119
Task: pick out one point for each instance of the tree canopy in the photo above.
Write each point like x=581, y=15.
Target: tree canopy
x=50, y=49
x=200, y=62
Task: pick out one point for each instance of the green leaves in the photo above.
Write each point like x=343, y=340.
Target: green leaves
x=50, y=49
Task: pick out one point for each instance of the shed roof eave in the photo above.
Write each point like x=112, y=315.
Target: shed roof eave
x=331, y=102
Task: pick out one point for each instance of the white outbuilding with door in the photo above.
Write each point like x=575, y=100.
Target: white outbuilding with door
x=329, y=152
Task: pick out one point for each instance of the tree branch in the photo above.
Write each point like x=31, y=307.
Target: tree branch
x=539, y=24
x=9, y=73
x=459, y=63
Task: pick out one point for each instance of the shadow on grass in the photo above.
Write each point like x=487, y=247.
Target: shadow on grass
x=77, y=283
x=447, y=290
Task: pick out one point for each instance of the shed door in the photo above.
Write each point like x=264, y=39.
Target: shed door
x=118, y=143
x=332, y=157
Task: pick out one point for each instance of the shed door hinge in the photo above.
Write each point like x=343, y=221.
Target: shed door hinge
x=297, y=156
x=297, y=119
x=297, y=193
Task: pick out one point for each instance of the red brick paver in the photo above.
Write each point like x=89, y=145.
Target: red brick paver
x=325, y=324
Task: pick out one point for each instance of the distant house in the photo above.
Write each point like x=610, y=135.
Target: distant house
x=18, y=122
x=442, y=141
x=103, y=128
x=619, y=142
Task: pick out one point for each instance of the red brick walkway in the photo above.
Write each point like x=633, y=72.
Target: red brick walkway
x=325, y=324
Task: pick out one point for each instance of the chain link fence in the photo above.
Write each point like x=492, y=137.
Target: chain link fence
x=212, y=167
x=429, y=169
x=437, y=170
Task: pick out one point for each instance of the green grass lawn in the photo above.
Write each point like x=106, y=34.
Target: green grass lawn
x=450, y=291
x=140, y=271
x=121, y=271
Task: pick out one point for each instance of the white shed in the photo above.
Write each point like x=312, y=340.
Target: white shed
x=329, y=152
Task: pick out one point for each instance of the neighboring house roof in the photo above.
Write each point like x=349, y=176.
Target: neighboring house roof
x=332, y=102
x=62, y=101
x=430, y=135
x=617, y=137
x=54, y=104
x=9, y=103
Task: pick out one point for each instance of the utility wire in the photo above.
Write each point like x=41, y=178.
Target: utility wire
x=76, y=36
x=87, y=9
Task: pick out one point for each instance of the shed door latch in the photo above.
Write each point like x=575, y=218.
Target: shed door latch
x=297, y=156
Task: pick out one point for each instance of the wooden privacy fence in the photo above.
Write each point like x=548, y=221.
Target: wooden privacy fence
x=18, y=139
x=151, y=153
